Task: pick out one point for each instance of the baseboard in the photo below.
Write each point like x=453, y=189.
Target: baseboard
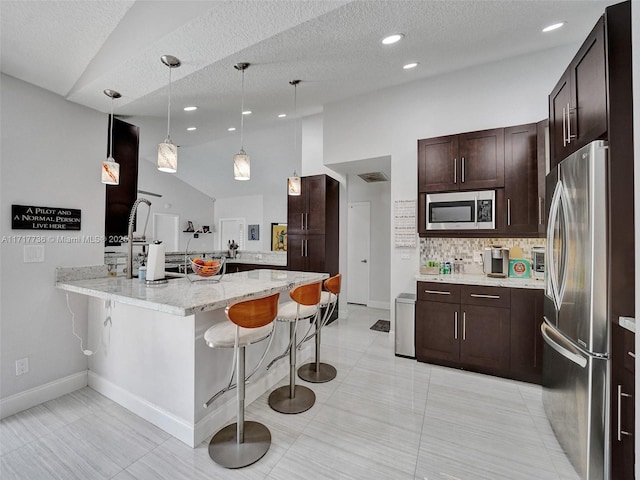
x=226, y=412
x=182, y=429
x=170, y=423
x=380, y=305
x=43, y=393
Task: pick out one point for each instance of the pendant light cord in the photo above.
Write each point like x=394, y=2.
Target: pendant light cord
x=242, y=115
x=295, y=116
x=169, y=108
x=111, y=131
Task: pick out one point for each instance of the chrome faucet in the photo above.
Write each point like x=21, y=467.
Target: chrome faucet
x=132, y=217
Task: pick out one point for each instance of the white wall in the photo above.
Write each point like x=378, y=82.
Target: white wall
x=50, y=156
x=379, y=195
x=390, y=121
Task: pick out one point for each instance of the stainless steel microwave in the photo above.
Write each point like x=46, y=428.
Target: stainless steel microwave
x=461, y=210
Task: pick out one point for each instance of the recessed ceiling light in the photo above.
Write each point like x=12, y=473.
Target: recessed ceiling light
x=231, y=129
x=191, y=129
x=282, y=115
x=190, y=109
x=247, y=112
x=410, y=65
x=392, y=38
x=555, y=26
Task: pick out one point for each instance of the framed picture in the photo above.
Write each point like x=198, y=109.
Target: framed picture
x=279, y=237
x=254, y=232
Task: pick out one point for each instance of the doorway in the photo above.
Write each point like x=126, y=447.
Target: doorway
x=358, y=252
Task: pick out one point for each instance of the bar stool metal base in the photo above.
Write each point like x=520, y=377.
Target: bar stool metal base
x=309, y=373
x=303, y=399
x=225, y=450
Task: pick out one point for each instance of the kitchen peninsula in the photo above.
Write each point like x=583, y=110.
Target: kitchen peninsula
x=149, y=353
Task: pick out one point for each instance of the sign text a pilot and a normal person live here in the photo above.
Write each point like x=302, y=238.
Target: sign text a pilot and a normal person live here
x=27, y=217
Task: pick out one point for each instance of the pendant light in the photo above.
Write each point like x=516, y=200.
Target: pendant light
x=167, y=151
x=293, y=182
x=111, y=168
x=241, y=161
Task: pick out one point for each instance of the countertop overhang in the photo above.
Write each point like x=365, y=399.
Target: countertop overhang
x=481, y=279
x=181, y=297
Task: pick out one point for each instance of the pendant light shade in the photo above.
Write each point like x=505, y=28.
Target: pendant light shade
x=167, y=151
x=294, y=185
x=241, y=161
x=110, y=168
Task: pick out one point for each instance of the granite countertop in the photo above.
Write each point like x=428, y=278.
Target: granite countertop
x=481, y=279
x=181, y=297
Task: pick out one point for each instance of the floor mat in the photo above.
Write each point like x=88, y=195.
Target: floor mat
x=381, y=326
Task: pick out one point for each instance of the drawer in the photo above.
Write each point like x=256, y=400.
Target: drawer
x=439, y=292
x=485, y=296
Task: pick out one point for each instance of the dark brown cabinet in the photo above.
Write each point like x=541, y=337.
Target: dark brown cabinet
x=463, y=326
x=526, y=340
x=542, y=154
x=524, y=207
x=492, y=330
x=468, y=161
x=578, y=103
x=622, y=403
x=312, y=226
x=247, y=267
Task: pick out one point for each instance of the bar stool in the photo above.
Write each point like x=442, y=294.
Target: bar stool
x=242, y=443
x=318, y=372
x=294, y=398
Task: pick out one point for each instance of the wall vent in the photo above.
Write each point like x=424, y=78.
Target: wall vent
x=373, y=177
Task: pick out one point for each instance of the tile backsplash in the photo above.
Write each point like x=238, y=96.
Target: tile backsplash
x=443, y=249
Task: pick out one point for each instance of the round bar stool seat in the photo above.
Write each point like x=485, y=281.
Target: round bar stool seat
x=318, y=372
x=244, y=442
x=294, y=398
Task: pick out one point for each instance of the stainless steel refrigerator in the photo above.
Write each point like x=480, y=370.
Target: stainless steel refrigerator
x=575, y=330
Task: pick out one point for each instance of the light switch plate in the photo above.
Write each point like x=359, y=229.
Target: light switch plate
x=33, y=253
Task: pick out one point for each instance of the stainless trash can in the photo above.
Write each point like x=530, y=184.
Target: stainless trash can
x=405, y=325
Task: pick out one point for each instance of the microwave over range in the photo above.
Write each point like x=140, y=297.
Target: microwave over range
x=461, y=210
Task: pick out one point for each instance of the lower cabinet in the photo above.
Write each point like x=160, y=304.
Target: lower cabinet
x=246, y=267
x=476, y=328
x=622, y=403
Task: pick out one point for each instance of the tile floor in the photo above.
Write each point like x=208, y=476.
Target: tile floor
x=383, y=417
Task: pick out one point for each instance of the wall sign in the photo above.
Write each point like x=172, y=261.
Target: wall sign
x=26, y=217
x=404, y=234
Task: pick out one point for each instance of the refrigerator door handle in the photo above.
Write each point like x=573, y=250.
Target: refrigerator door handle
x=566, y=350
x=551, y=266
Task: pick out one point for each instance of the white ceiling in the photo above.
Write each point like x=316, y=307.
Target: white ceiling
x=79, y=48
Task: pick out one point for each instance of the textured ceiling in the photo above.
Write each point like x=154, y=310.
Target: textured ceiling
x=79, y=48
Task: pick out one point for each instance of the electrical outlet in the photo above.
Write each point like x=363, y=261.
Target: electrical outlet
x=22, y=366
x=477, y=257
x=404, y=256
x=33, y=253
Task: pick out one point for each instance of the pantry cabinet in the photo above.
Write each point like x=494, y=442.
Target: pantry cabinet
x=486, y=329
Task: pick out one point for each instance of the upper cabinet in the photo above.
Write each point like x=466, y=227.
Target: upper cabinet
x=500, y=159
x=307, y=213
x=578, y=103
x=468, y=161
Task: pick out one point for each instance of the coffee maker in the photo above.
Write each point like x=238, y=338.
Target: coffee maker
x=495, y=261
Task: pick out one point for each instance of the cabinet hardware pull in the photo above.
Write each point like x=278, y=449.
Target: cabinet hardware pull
x=539, y=210
x=569, y=136
x=508, y=211
x=302, y=221
x=437, y=292
x=455, y=328
x=620, y=431
x=455, y=170
x=306, y=221
x=463, y=169
x=464, y=325
x=302, y=248
x=480, y=295
x=564, y=128
x=631, y=354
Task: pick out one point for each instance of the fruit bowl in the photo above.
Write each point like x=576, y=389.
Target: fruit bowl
x=206, y=267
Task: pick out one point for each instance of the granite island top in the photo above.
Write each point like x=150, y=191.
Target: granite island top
x=481, y=279
x=181, y=297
